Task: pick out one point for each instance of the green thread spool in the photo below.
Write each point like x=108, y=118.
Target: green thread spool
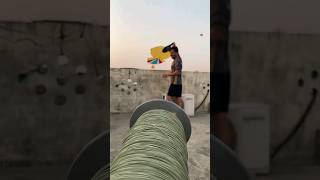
x=228, y=168
x=155, y=146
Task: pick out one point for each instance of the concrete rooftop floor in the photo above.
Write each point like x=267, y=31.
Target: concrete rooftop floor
x=198, y=149
x=198, y=145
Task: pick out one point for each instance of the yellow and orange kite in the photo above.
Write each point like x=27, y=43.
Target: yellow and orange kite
x=158, y=56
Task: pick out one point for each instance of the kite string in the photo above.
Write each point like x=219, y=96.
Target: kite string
x=154, y=148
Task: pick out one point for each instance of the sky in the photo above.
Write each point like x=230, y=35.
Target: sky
x=136, y=26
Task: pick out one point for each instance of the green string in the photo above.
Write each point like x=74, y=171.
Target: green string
x=154, y=149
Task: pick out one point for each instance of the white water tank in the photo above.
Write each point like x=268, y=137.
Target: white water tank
x=251, y=122
x=188, y=100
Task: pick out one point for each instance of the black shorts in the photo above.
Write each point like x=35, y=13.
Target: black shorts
x=175, y=90
x=221, y=92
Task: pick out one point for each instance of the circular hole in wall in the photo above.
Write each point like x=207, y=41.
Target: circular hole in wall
x=61, y=81
x=22, y=76
x=60, y=100
x=314, y=74
x=314, y=91
x=40, y=89
x=300, y=82
x=80, y=89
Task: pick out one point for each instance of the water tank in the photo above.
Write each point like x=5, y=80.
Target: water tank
x=188, y=100
x=251, y=122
